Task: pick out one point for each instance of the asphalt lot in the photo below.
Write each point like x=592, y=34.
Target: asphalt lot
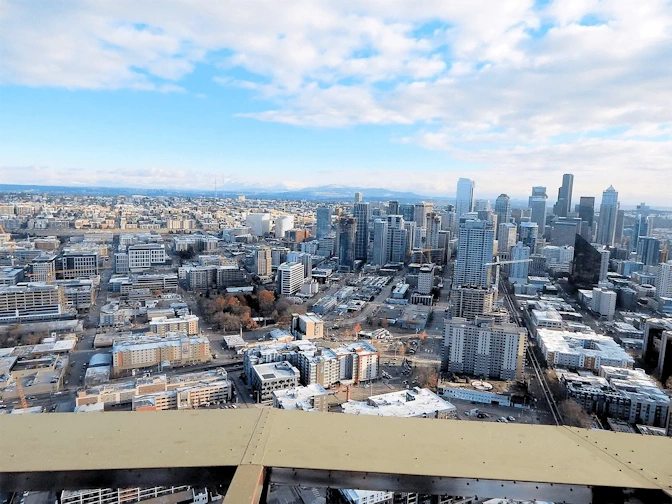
x=521, y=415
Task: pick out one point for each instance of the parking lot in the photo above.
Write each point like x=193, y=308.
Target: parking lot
x=520, y=415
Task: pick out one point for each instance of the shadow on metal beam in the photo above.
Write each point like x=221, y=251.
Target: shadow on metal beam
x=116, y=478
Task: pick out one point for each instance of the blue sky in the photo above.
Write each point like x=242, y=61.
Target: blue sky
x=403, y=95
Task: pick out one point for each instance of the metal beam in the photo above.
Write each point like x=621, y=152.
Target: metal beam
x=60, y=450
x=247, y=485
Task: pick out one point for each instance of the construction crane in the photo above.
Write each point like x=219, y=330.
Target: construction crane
x=497, y=264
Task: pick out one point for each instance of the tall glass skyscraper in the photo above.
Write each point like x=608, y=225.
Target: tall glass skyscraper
x=503, y=209
x=537, y=203
x=474, y=249
x=648, y=250
x=362, y=213
x=323, y=221
x=346, y=243
x=606, y=226
x=465, y=197
x=564, y=204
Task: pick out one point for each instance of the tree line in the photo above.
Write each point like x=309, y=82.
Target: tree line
x=230, y=312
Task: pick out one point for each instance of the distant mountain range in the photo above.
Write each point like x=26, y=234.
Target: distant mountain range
x=322, y=193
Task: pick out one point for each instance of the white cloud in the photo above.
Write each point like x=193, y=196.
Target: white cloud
x=501, y=84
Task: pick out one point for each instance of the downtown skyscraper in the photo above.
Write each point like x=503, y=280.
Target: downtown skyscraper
x=503, y=209
x=362, y=213
x=389, y=240
x=537, y=202
x=474, y=249
x=347, y=230
x=606, y=225
x=564, y=203
x=464, y=201
x=323, y=221
x=472, y=295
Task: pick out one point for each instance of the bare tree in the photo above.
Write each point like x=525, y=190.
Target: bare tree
x=428, y=377
x=11, y=337
x=573, y=414
x=556, y=388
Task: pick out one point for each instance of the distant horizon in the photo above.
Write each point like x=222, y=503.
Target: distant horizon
x=276, y=193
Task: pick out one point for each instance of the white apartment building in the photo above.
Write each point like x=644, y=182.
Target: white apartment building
x=283, y=224
x=175, y=349
x=604, y=264
x=484, y=348
x=43, y=269
x=312, y=397
x=290, y=278
x=262, y=261
x=303, y=258
x=120, y=263
x=413, y=403
x=363, y=358
x=322, y=367
x=189, y=396
x=604, y=302
x=146, y=255
x=474, y=249
x=353, y=363
x=259, y=223
x=426, y=278
x=31, y=302
x=271, y=377
x=664, y=280
x=518, y=272
x=581, y=350
x=506, y=238
x=626, y=394
x=558, y=259
x=307, y=326
x=73, y=264
x=164, y=325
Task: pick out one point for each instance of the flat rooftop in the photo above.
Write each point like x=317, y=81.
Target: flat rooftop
x=414, y=402
x=275, y=370
x=587, y=343
x=298, y=398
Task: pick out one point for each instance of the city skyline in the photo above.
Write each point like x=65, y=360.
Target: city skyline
x=414, y=96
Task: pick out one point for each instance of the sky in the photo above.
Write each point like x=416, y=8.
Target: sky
x=406, y=95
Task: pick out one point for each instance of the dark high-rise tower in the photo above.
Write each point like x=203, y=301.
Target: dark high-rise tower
x=648, y=250
x=564, y=204
x=393, y=208
x=587, y=209
x=606, y=226
x=362, y=213
x=641, y=227
x=537, y=202
x=503, y=209
x=347, y=230
x=323, y=221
